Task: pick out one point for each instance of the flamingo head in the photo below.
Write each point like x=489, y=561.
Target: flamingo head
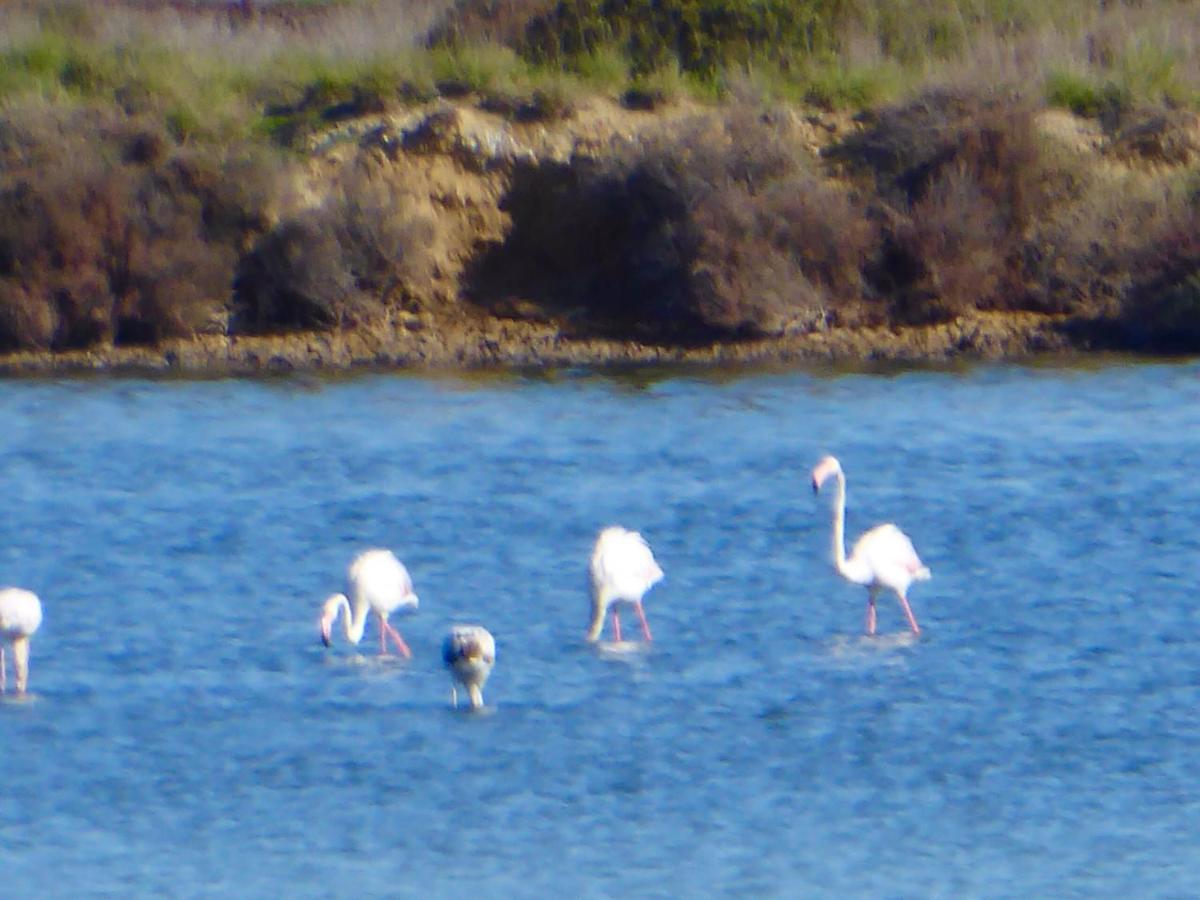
x=329, y=614
x=823, y=470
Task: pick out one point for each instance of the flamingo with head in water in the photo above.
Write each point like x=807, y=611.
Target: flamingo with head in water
x=469, y=652
x=883, y=557
x=20, y=617
x=378, y=583
x=622, y=570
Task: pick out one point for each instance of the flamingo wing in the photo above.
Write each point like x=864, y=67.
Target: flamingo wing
x=380, y=579
x=624, y=563
x=890, y=554
x=20, y=613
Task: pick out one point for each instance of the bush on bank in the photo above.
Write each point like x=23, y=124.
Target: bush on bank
x=143, y=184
x=111, y=232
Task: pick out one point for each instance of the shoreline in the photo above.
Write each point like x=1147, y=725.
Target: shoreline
x=492, y=343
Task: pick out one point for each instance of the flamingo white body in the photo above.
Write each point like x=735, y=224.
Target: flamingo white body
x=378, y=583
x=622, y=570
x=883, y=557
x=20, y=617
x=469, y=652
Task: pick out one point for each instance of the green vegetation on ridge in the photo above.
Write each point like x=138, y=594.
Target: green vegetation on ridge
x=214, y=79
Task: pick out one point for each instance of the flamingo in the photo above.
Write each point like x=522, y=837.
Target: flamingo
x=882, y=558
x=622, y=570
x=379, y=583
x=20, y=617
x=469, y=652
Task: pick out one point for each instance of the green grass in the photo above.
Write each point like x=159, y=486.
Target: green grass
x=198, y=91
x=479, y=68
x=605, y=68
x=837, y=54
x=49, y=65
x=1151, y=73
x=1083, y=93
x=1146, y=68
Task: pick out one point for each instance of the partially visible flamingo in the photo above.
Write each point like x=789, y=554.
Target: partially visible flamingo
x=883, y=557
x=20, y=617
x=379, y=583
x=622, y=570
x=469, y=652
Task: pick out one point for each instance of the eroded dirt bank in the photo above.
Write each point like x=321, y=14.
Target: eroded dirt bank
x=488, y=299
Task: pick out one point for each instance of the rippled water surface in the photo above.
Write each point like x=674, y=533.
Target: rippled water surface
x=187, y=735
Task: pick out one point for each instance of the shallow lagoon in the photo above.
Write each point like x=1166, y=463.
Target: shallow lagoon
x=188, y=735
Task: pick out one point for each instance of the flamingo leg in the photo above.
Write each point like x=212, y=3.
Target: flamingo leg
x=2, y=682
x=645, y=625
x=454, y=696
x=616, y=626
x=383, y=637
x=912, y=621
x=871, y=613
x=399, y=641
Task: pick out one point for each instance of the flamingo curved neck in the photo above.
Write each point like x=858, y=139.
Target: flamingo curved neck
x=353, y=623
x=600, y=601
x=846, y=568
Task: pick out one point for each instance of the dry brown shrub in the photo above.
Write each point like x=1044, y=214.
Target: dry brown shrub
x=787, y=257
x=1128, y=260
x=294, y=278
x=108, y=232
x=906, y=149
x=789, y=247
x=947, y=257
x=55, y=240
x=1161, y=308
x=963, y=180
x=369, y=246
x=1081, y=256
x=827, y=233
x=738, y=280
x=719, y=230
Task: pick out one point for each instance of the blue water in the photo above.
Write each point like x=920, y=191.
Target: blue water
x=188, y=736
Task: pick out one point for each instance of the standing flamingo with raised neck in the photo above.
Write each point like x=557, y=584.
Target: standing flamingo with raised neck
x=379, y=583
x=20, y=617
x=622, y=570
x=883, y=557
